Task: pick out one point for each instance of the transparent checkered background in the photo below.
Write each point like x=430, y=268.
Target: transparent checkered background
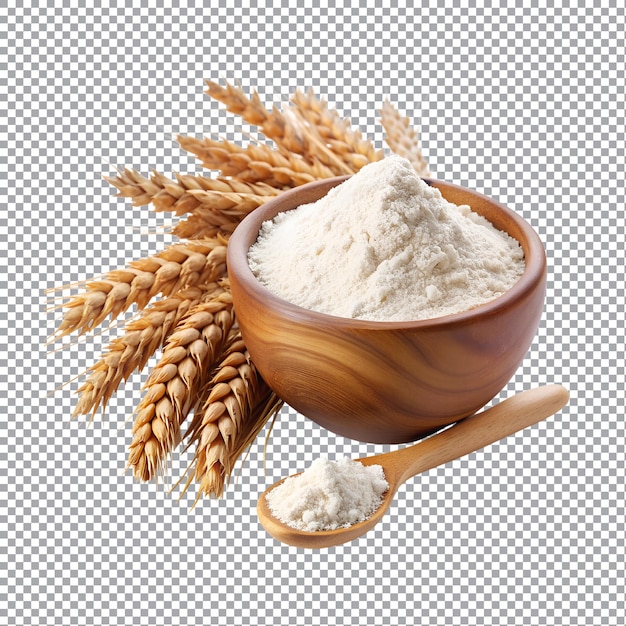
x=519, y=101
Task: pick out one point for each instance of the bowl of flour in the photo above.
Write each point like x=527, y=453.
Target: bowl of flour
x=384, y=306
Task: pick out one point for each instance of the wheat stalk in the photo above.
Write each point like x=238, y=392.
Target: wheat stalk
x=402, y=138
x=177, y=267
x=172, y=389
x=238, y=404
x=143, y=336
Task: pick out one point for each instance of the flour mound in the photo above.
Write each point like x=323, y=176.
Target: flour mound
x=328, y=495
x=385, y=246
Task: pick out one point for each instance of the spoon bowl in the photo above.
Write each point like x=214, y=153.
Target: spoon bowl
x=467, y=435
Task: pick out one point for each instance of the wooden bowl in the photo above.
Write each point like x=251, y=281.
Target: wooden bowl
x=387, y=382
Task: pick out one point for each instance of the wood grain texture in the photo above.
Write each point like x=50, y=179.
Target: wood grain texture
x=387, y=382
x=468, y=435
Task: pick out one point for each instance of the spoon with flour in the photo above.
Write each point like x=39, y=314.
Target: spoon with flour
x=466, y=436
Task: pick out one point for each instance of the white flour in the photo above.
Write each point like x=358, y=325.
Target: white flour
x=329, y=495
x=385, y=246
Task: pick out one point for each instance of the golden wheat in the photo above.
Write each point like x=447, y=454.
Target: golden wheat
x=238, y=404
x=336, y=131
x=215, y=205
x=402, y=138
x=177, y=267
x=282, y=127
x=172, y=388
x=166, y=194
x=163, y=193
x=205, y=368
x=143, y=336
x=255, y=163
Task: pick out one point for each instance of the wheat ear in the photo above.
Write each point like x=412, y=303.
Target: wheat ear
x=177, y=267
x=172, y=389
x=255, y=163
x=215, y=205
x=402, y=138
x=143, y=336
x=159, y=190
x=284, y=130
x=238, y=404
x=221, y=211
x=336, y=131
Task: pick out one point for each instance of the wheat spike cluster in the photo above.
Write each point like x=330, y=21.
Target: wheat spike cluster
x=204, y=393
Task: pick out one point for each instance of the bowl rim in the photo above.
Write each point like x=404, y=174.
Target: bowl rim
x=246, y=233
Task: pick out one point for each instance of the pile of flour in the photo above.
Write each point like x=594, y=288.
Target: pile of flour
x=385, y=246
x=328, y=495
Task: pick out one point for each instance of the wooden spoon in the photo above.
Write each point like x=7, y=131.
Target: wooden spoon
x=467, y=435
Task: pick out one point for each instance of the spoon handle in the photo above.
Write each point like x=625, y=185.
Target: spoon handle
x=479, y=430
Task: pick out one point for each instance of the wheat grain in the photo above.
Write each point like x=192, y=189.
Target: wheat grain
x=238, y=404
x=172, y=389
x=402, y=138
x=177, y=267
x=143, y=336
